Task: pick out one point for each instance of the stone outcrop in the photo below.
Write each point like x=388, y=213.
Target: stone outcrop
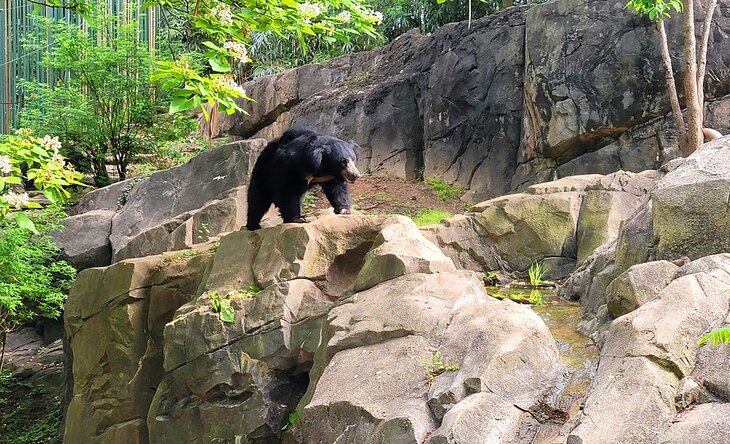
x=348, y=317
x=682, y=218
x=648, y=351
x=169, y=210
x=559, y=223
x=524, y=96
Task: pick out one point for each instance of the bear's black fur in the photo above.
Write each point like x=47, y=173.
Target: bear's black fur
x=295, y=162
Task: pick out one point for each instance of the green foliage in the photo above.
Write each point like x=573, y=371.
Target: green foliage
x=536, y=272
x=717, y=336
x=222, y=305
x=309, y=202
x=444, y=191
x=222, y=33
x=656, y=10
x=32, y=281
x=203, y=232
x=430, y=216
x=28, y=414
x=435, y=366
x=293, y=418
x=105, y=104
x=43, y=165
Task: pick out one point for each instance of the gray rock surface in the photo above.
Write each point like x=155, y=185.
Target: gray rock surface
x=524, y=96
x=170, y=210
x=689, y=205
x=638, y=285
x=84, y=239
x=648, y=351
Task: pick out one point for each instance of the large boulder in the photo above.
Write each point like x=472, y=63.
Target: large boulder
x=646, y=353
x=368, y=383
x=169, y=210
x=114, y=321
x=347, y=317
x=560, y=222
x=690, y=205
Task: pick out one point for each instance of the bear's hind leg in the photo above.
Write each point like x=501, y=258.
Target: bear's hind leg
x=338, y=193
x=258, y=205
x=290, y=209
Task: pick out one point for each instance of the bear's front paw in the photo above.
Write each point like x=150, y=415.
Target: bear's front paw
x=343, y=211
x=253, y=227
x=299, y=220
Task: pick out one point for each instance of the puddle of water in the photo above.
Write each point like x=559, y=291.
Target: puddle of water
x=577, y=353
x=562, y=317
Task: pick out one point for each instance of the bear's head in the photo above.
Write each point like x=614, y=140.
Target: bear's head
x=337, y=158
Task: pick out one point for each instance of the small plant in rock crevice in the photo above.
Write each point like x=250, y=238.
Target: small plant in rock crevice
x=248, y=293
x=203, y=232
x=716, y=337
x=435, y=366
x=536, y=273
x=293, y=418
x=222, y=306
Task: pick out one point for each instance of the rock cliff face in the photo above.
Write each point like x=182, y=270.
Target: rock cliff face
x=563, y=88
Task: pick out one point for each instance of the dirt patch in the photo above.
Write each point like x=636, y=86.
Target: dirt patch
x=390, y=195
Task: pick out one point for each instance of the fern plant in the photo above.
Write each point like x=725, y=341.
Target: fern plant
x=717, y=336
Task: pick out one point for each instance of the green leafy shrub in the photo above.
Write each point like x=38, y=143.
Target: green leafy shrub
x=28, y=414
x=37, y=160
x=105, y=105
x=33, y=282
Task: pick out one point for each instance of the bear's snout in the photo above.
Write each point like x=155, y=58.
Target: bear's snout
x=351, y=172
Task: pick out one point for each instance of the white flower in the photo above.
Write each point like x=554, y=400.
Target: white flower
x=374, y=16
x=5, y=165
x=16, y=200
x=51, y=143
x=237, y=49
x=223, y=13
x=309, y=10
x=58, y=159
x=344, y=16
x=229, y=83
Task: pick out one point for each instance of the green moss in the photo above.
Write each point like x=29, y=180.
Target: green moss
x=444, y=191
x=430, y=216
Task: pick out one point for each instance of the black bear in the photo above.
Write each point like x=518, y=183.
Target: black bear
x=295, y=162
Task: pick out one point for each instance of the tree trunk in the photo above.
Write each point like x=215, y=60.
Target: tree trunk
x=101, y=177
x=702, y=61
x=694, y=115
x=672, y=88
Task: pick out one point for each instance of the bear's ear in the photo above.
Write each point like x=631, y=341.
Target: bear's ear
x=354, y=145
